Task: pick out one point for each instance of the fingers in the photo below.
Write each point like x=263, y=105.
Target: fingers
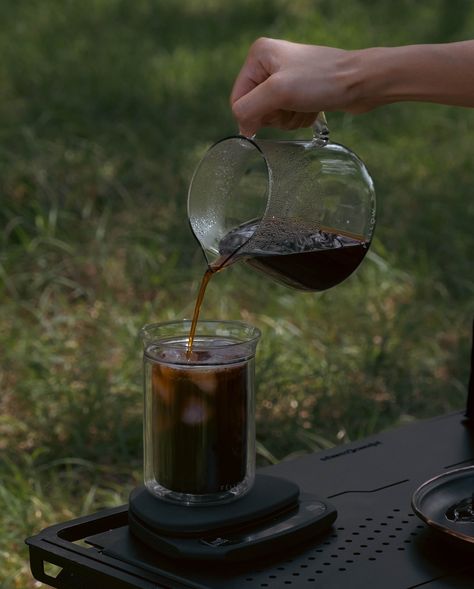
x=267, y=92
x=288, y=120
x=256, y=69
x=250, y=76
x=291, y=120
x=281, y=119
x=251, y=109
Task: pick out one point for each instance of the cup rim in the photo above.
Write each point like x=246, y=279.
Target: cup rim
x=254, y=332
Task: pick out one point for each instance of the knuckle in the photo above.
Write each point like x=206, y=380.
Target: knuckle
x=237, y=110
x=237, y=113
x=260, y=44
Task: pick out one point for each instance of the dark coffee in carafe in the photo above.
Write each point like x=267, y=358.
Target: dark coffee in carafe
x=303, y=258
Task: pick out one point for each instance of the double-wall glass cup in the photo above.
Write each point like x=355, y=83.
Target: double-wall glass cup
x=199, y=413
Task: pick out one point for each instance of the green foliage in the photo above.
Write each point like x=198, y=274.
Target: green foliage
x=105, y=109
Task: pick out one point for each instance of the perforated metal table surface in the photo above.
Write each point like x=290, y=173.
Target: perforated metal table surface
x=376, y=540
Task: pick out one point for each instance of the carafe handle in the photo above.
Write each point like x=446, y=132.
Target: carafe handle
x=320, y=130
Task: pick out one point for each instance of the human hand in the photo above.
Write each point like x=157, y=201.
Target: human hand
x=285, y=85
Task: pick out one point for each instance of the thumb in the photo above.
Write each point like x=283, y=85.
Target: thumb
x=250, y=109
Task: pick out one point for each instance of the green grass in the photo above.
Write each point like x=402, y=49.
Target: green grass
x=105, y=109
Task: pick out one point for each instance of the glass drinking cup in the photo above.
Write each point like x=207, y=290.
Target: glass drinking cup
x=199, y=413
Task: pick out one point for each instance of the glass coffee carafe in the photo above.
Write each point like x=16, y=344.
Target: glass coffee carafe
x=301, y=211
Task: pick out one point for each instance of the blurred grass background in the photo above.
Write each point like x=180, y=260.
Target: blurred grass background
x=105, y=109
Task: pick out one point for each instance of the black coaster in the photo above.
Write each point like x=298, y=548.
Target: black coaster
x=446, y=503
x=269, y=495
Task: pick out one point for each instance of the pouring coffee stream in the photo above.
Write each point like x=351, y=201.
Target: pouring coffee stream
x=212, y=269
x=302, y=212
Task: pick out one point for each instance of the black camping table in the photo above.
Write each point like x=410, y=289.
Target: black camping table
x=376, y=541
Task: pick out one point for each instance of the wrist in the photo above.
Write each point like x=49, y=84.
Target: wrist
x=434, y=73
x=372, y=78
